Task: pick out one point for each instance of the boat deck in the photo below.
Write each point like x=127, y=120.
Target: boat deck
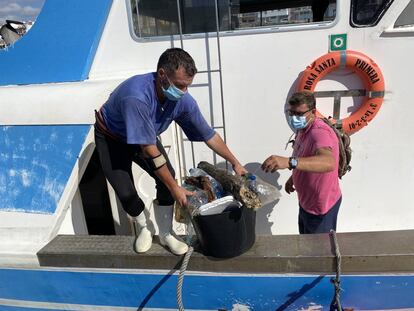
x=362, y=252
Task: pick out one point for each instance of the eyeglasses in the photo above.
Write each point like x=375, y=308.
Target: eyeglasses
x=297, y=113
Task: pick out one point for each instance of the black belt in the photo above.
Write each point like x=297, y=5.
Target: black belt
x=101, y=127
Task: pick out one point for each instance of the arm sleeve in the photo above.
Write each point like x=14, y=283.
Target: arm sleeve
x=194, y=125
x=138, y=124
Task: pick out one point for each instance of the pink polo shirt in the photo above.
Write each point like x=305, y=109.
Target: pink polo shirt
x=317, y=192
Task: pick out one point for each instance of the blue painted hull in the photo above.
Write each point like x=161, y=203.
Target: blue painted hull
x=49, y=289
x=35, y=164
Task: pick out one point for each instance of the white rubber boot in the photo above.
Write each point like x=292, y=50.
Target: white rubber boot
x=164, y=216
x=144, y=237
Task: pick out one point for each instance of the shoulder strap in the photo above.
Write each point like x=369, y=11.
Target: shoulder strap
x=344, y=157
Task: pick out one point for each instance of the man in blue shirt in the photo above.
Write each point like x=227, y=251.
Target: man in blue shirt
x=127, y=129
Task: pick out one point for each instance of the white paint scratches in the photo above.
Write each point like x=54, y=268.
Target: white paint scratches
x=68, y=154
x=21, y=147
x=25, y=175
x=240, y=307
x=37, y=145
x=15, y=193
x=53, y=188
x=24, y=210
x=69, y=138
x=7, y=142
x=312, y=307
x=35, y=162
x=12, y=173
x=18, y=157
x=3, y=184
x=54, y=136
x=4, y=157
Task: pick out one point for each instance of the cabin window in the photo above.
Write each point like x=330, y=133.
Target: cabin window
x=365, y=13
x=153, y=18
x=406, y=19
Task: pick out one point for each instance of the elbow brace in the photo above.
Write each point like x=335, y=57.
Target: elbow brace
x=157, y=162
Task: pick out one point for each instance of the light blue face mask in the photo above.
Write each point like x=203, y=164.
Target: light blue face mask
x=173, y=93
x=297, y=123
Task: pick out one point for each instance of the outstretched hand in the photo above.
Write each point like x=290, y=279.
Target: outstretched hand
x=274, y=163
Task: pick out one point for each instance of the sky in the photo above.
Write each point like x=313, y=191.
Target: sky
x=20, y=10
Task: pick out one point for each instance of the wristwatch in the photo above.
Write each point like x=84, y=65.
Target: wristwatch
x=293, y=162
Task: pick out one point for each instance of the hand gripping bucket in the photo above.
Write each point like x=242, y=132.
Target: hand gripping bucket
x=228, y=234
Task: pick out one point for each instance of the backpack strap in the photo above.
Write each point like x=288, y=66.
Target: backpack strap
x=343, y=142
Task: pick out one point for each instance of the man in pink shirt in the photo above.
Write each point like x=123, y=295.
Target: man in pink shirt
x=314, y=166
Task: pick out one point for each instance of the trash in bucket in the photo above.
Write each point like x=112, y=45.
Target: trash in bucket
x=227, y=234
x=225, y=224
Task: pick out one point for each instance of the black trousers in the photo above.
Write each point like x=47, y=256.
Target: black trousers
x=116, y=159
x=309, y=223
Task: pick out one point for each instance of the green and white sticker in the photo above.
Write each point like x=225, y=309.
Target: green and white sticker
x=338, y=42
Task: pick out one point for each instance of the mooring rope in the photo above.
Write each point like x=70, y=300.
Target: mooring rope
x=336, y=303
x=181, y=278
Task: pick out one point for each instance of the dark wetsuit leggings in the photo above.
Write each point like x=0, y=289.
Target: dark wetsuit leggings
x=309, y=223
x=116, y=159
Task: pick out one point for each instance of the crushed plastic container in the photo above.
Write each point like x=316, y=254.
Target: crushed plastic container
x=226, y=234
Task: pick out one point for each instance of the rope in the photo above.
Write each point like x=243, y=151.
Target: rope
x=336, y=303
x=181, y=278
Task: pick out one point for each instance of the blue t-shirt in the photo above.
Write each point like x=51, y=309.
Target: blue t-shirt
x=134, y=113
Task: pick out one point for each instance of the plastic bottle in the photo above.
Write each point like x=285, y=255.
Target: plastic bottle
x=197, y=172
x=251, y=182
x=217, y=187
x=198, y=199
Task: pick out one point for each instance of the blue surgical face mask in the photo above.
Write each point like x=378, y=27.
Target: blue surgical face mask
x=173, y=93
x=297, y=123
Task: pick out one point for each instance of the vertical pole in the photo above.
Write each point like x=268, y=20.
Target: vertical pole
x=220, y=74
x=180, y=28
x=337, y=106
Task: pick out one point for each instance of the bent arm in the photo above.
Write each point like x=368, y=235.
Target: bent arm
x=322, y=162
x=217, y=144
x=163, y=173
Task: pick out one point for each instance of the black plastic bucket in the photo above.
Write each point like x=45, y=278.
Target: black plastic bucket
x=228, y=234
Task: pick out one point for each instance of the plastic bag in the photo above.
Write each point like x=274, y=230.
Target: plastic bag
x=217, y=188
x=266, y=192
x=194, y=201
x=199, y=197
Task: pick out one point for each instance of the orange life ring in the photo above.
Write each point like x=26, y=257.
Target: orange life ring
x=365, y=68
